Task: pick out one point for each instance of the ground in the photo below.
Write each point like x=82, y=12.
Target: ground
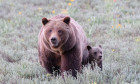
x=115, y=24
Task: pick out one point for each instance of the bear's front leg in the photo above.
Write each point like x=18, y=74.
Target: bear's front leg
x=99, y=63
x=49, y=67
x=92, y=64
x=48, y=62
x=71, y=60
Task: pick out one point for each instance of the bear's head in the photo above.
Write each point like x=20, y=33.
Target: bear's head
x=95, y=52
x=56, y=31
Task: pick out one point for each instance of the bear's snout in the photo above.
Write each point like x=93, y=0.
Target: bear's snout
x=54, y=42
x=100, y=57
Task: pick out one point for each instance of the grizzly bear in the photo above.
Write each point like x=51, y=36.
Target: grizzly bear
x=95, y=56
x=61, y=44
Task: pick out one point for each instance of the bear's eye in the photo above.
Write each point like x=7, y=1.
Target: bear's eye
x=101, y=52
x=95, y=53
x=50, y=31
x=60, y=31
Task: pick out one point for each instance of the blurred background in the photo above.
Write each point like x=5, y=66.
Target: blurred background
x=115, y=24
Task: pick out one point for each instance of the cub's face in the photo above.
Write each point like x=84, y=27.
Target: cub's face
x=56, y=32
x=95, y=52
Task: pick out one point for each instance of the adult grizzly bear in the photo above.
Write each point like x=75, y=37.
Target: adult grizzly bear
x=61, y=44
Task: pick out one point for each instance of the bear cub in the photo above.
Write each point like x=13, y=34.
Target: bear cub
x=94, y=57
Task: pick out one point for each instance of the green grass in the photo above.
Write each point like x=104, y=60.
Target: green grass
x=114, y=25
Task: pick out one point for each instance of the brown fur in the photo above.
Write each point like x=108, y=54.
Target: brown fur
x=95, y=56
x=67, y=52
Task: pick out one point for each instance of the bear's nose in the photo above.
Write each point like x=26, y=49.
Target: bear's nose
x=53, y=39
x=100, y=57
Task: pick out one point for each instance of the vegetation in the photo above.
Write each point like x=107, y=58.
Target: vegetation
x=115, y=24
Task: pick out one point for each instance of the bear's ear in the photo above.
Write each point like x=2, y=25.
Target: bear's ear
x=67, y=20
x=100, y=46
x=44, y=21
x=89, y=47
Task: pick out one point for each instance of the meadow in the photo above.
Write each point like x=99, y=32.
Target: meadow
x=115, y=24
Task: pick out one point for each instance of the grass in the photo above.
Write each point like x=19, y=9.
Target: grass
x=115, y=24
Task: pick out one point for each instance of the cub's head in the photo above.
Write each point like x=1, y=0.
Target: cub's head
x=95, y=52
x=56, y=31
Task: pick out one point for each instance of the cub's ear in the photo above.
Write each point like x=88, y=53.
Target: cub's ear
x=67, y=20
x=100, y=46
x=44, y=21
x=89, y=47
